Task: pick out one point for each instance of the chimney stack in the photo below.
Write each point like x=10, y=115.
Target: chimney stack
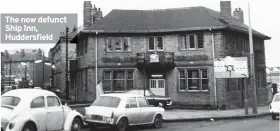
x=225, y=13
x=238, y=14
x=87, y=13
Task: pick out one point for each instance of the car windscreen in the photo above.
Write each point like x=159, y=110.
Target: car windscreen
x=9, y=101
x=276, y=98
x=107, y=101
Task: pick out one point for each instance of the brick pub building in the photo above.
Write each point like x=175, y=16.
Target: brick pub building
x=129, y=42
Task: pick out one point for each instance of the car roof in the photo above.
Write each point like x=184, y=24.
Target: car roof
x=122, y=95
x=31, y=93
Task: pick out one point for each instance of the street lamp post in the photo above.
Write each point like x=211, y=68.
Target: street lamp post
x=66, y=66
x=252, y=61
x=10, y=72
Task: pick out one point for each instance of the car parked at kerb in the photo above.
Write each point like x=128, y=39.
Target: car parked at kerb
x=121, y=110
x=37, y=110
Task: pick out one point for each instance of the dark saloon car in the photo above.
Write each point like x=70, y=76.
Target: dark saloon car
x=153, y=99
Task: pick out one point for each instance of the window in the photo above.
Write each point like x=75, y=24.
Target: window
x=156, y=43
x=182, y=80
x=129, y=84
x=38, y=102
x=131, y=103
x=118, y=80
x=193, y=80
x=52, y=101
x=107, y=101
x=118, y=44
x=276, y=98
x=192, y=42
x=10, y=100
x=142, y=102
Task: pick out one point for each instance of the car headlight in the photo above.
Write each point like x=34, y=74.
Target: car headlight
x=11, y=125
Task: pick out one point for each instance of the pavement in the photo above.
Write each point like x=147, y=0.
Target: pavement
x=264, y=123
x=181, y=115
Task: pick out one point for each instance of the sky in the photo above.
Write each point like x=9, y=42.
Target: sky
x=263, y=15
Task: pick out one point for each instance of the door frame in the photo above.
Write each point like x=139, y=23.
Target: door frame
x=157, y=85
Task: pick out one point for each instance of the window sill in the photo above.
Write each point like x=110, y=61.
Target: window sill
x=187, y=91
x=200, y=49
x=118, y=51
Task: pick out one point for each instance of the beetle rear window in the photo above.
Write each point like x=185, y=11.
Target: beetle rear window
x=107, y=101
x=10, y=100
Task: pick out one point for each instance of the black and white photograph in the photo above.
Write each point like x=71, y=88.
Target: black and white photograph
x=140, y=65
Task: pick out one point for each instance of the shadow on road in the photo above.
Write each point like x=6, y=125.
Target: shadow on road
x=132, y=128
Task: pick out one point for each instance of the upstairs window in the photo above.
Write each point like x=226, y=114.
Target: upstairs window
x=156, y=43
x=118, y=44
x=192, y=42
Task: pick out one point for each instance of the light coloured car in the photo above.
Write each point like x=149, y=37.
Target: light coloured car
x=274, y=106
x=121, y=110
x=37, y=110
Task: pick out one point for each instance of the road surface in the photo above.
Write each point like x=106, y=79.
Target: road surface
x=255, y=124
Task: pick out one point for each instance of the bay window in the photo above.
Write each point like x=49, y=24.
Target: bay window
x=118, y=80
x=193, y=80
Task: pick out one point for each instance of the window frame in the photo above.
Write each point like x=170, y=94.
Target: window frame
x=155, y=41
x=185, y=70
x=186, y=42
x=113, y=41
x=144, y=100
x=44, y=100
x=56, y=99
x=111, y=80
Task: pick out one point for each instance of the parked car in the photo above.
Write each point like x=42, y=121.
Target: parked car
x=161, y=101
x=37, y=110
x=121, y=110
x=274, y=107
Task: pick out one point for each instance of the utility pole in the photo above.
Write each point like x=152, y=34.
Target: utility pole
x=25, y=74
x=253, y=81
x=66, y=66
x=96, y=76
x=10, y=71
x=43, y=61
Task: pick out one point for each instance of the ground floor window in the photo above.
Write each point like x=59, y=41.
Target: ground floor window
x=118, y=80
x=193, y=80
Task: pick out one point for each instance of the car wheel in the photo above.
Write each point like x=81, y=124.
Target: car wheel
x=28, y=127
x=157, y=121
x=76, y=124
x=161, y=104
x=122, y=124
x=273, y=117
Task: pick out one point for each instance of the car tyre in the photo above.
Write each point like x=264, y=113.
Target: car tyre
x=158, y=121
x=29, y=127
x=76, y=124
x=122, y=124
x=273, y=117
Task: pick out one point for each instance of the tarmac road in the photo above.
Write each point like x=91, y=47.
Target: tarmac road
x=254, y=124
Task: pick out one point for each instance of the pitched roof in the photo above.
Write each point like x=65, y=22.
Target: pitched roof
x=165, y=20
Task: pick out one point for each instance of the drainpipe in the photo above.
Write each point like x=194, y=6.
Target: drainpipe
x=96, y=59
x=215, y=86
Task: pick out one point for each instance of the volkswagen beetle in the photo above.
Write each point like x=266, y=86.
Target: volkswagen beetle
x=121, y=110
x=37, y=110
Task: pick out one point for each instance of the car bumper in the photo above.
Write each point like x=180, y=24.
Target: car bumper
x=169, y=104
x=99, y=122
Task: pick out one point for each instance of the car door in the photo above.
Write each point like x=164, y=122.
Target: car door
x=39, y=113
x=146, y=112
x=132, y=111
x=150, y=98
x=55, y=117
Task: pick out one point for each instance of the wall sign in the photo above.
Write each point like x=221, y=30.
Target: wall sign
x=192, y=58
x=154, y=58
x=119, y=59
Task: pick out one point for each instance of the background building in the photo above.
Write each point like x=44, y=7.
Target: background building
x=21, y=64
